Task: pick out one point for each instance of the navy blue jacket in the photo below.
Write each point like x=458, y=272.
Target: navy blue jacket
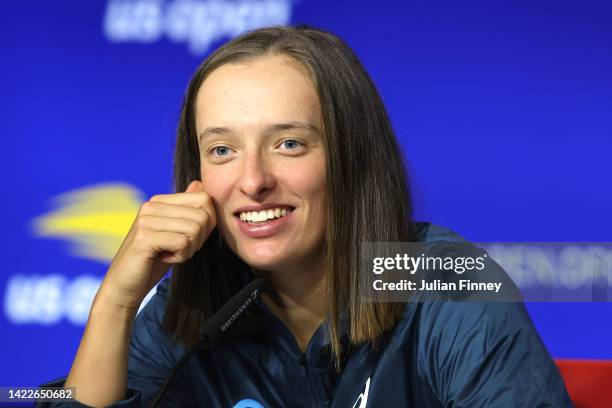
x=441, y=354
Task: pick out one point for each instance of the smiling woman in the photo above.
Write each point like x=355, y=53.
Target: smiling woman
x=286, y=118
x=272, y=160
x=285, y=164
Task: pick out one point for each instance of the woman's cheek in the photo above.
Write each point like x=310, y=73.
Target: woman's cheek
x=216, y=187
x=216, y=183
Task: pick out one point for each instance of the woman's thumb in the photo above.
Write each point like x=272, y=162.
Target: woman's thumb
x=195, y=185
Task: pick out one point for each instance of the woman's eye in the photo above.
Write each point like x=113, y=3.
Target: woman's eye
x=220, y=151
x=291, y=144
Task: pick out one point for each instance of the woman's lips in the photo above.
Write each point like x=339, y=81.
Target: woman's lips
x=265, y=229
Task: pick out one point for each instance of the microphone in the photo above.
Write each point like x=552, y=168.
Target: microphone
x=217, y=325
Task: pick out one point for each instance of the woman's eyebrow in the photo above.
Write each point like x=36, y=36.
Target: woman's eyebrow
x=277, y=127
x=209, y=131
x=292, y=125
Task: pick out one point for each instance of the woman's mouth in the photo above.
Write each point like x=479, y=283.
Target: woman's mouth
x=264, y=223
x=263, y=216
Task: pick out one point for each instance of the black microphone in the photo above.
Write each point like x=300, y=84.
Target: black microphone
x=217, y=325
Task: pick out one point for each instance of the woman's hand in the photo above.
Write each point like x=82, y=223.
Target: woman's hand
x=168, y=229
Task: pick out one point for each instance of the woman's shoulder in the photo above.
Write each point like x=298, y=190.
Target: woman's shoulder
x=469, y=349
x=429, y=232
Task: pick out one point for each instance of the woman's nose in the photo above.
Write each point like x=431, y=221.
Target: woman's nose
x=256, y=178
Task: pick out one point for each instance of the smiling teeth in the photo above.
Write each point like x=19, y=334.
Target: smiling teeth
x=264, y=215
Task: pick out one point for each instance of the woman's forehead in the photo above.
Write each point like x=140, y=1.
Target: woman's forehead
x=265, y=91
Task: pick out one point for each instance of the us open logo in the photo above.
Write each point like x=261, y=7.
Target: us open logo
x=197, y=23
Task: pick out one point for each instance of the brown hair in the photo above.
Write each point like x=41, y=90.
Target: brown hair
x=366, y=182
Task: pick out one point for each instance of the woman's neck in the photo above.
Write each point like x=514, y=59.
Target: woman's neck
x=298, y=299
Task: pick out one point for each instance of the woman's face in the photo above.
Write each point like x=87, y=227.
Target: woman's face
x=262, y=155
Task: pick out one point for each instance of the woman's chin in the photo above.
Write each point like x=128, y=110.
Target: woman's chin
x=264, y=259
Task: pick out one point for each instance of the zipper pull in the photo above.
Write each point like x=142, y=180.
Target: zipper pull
x=303, y=359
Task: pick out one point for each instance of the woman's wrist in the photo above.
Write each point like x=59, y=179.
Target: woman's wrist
x=107, y=304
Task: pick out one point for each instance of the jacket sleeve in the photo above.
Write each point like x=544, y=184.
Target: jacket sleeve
x=152, y=355
x=487, y=354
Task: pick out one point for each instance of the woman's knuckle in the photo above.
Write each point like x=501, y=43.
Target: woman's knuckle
x=141, y=221
x=140, y=236
x=184, y=254
x=202, y=219
x=206, y=199
x=194, y=228
x=183, y=241
x=146, y=207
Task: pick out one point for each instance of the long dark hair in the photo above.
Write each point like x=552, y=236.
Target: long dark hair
x=367, y=188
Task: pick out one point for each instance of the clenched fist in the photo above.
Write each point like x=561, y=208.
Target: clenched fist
x=168, y=229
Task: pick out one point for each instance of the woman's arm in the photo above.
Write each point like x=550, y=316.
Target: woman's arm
x=99, y=370
x=480, y=354
x=168, y=229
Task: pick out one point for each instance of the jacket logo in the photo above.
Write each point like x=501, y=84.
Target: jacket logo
x=362, y=400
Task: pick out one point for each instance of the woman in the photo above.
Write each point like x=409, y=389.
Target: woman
x=285, y=163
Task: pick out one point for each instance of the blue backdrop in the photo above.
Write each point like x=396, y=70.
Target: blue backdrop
x=504, y=112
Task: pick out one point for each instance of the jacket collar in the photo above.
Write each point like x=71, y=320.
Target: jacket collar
x=261, y=324
x=318, y=349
